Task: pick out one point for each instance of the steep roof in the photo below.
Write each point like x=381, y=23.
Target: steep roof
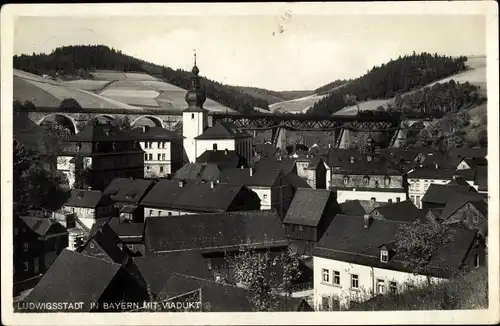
x=85, y=198
x=481, y=178
x=458, y=201
x=223, y=158
x=128, y=232
x=155, y=133
x=41, y=225
x=348, y=240
x=193, y=195
x=96, y=132
x=214, y=232
x=378, y=166
x=360, y=207
x=468, y=174
x=264, y=178
x=403, y=211
x=74, y=277
x=273, y=163
x=197, y=171
x=128, y=190
x=469, y=152
x=308, y=206
x=223, y=130
x=440, y=194
x=106, y=238
x=157, y=269
x=296, y=181
x=431, y=172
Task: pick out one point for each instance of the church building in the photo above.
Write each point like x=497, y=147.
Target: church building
x=199, y=137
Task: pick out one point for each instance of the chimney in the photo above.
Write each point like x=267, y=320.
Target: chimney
x=351, y=159
x=181, y=183
x=437, y=166
x=251, y=172
x=372, y=200
x=226, y=151
x=367, y=220
x=212, y=184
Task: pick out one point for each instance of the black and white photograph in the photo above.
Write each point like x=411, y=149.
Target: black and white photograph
x=182, y=162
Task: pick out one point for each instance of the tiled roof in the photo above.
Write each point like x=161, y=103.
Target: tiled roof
x=42, y=225
x=193, y=195
x=337, y=157
x=348, y=240
x=128, y=190
x=308, y=206
x=378, y=166
x=403, y=211
x=432, y=173
x=197, y=171
x=481, y=178
x=264, y=178
x=155, y=133
x=74, y=277
x=456, y=202
x=127, y=232
x=469, y=152
x=102, y=133
x=223, y=130
x=352, y=207
x=440, y=194
x=224, y=159
x=157, y=269
x=86, y=198
x=272, y=163
x=468, y=174
x=214, y=232
x=296, y=181
x=106, y=238
x=475, y=161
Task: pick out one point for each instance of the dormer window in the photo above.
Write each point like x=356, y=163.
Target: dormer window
x=376, y=184
x=366, y=180
x=387, y=181
x=384, y=255
x=346, y=180
x=192, y=116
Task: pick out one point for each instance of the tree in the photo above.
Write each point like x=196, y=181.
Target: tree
x=257, y=271
x=83, y=178
x=125, y=124
x=36, y=187
x=417, y=242
x=70, y=105
x=58, y=134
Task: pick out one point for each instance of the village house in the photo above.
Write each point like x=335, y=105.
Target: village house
x=308, y=217
x=38, y=240
x=404, y=211
x=171, y=197
x=126, y=195
x=370, y=177
x=99, y=285
x=77, y=232
x=98, y=154
x=163, y=150
x=89, y=207
x=360, y=207
x=224, y=159
x=356, y=260
x=131, y=235
x=199, y=137
x=265, y=149
x=285, y=164
x=216, y=236
x=275, y=188
x=438, y=195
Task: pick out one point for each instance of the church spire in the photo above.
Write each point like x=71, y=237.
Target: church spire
x=195, y=97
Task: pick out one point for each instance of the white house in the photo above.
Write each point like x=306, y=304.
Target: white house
x=420, y=178
x=163, y=151
x=89, y=206
x=356, y=260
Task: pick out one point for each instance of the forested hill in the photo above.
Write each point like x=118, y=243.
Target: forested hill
x=397, y=76
x=79, y=60
x=273, y=96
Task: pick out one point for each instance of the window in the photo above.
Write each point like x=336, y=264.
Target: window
x=301, y=228
x=393, y=287
x=150, y=212
x=161, y=168
x=475, y=218
x=412, y=199
x=214, y=146
x=376, y=184
x=387, y=181
x=192, y=116
x=384, y=256
x=389, y=200
x=145, y=157
x=169, y=213
x=325, y=303
x=150, y=157
x=417, y=199
x=26, y=266
x=476, y=261
x=354, y=281
x=380, y=286
x=159, y=157
x=398, y=199
x=326, y=275
x=366, y=180
x=163, y=157
x=25, y=246
x=336, y=278
x=346, y=180
x=265, y=197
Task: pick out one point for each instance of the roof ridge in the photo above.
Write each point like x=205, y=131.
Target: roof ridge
x=95, y=258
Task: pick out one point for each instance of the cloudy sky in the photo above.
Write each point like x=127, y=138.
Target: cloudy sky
x=281, y=52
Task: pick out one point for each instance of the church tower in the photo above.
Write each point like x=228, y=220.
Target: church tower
x=194, y=118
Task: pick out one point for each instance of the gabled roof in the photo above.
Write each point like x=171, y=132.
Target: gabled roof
x=86, y=198
x=263, y=178
x=440, y=194
x=476, y=161
x=128, y=190
x=155, y=133
x=458, y=201
x=127, y=232
x=469, y=152
x=197, y=171
x=296, y=181
x=431, y=172
x=102, y=133
x=468, y=174
x=273, y=163
x=337, y=157
x=42, y=225
x=378, y=166
x=157, y=269
x=223, y=130
x=214, y=232
x=223, y=158
x=308, y=207
x=348, y=240
x=403, y=211
x=360, y=207
x=74, y=277
x=193, y=195
x=106, y=238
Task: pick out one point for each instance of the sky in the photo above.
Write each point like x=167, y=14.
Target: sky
x=277, y=52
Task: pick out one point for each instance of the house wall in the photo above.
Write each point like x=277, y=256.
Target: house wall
x=281, y=195
x=302, y=170
x=88, y=216
x=153, y=211
x=367, y=278
x=357, y=180
x=157, y=158
x=301, y=232
x=64, y=165
x=380, y=196
x=243, y=146
x=471, y=217
x=264, y=194
x=463, y=166
x=418, y=187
